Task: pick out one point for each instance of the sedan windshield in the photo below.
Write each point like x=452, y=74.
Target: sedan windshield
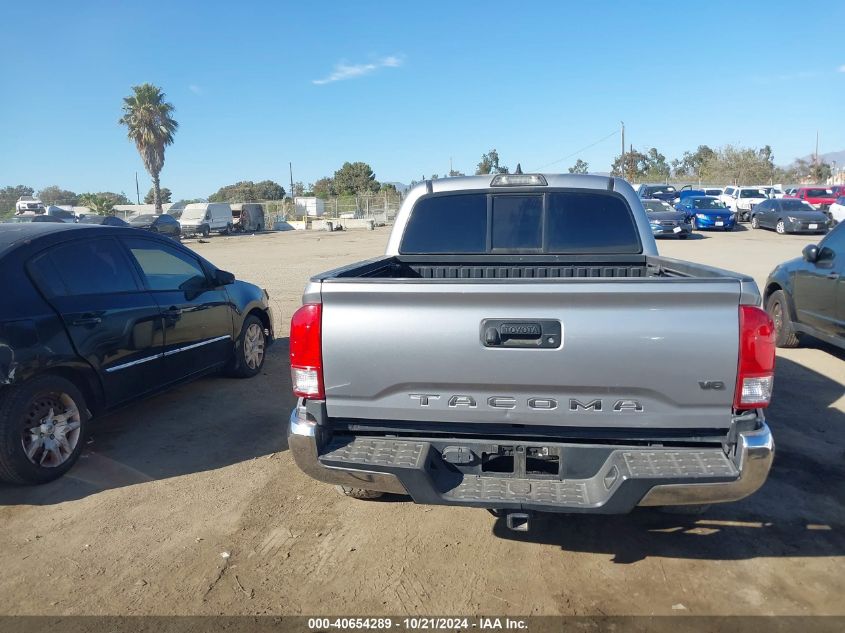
x=752, y=193
x=707, y=203
x=657, y=206
x=143, y=219
x=820, y=193
x=795, y=205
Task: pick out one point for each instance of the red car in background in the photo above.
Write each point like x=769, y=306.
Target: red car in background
x=838, y=190
x=819, y=197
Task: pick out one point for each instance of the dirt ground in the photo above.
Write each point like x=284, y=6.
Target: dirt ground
x=189, y=503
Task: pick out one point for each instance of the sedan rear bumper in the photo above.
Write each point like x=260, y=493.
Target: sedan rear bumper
x=607, y=478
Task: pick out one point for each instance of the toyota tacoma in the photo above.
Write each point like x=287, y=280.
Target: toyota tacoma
x=520, y=347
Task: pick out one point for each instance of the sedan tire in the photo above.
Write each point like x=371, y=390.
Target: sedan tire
x=755, y=223
x=43, y=423
x=778, y=310
x=250, y=349
x=780, y=227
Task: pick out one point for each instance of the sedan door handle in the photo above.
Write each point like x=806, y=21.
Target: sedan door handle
x=172, y=313
x=87, y=319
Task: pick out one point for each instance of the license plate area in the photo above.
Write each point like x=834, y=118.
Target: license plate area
x=534, y=462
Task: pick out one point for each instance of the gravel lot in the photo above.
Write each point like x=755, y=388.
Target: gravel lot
x=188, y=503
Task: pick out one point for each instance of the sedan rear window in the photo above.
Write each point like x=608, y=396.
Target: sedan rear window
x=554, y=223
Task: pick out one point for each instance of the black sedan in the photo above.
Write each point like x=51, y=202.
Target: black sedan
x=103, y=220
x=666, y=221
x=163, y=223
x=102, y=316
x=807, y=295
x=789, y=215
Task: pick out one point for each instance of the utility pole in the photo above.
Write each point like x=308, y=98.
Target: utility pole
x=290, y=167
x=137, y=190
x=623, y=148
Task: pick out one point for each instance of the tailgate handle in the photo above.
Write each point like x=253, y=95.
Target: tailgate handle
x=542, y=334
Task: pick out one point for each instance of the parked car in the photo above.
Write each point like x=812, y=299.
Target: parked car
x=789, y=215
x=666, y=221
x=247, y=216
x=163, y=223
x=104, y=220
x=771, y=191
x=527, y=359
x=713, y=191
x=46, y=218
x=789, y=191
x=837, y=210
x=819, y=197
x=135, y=314
x=742, y=200
x=200, y=218
x=805, y=295
x=61, y=214
x=659, y=192
x=838, y=190
x=707, y=212
x=29, y=204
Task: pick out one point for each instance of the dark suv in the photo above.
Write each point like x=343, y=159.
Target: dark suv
x=94, y=317
x=807, y=295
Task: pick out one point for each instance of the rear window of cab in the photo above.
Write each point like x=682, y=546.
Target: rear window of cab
x=548, y=223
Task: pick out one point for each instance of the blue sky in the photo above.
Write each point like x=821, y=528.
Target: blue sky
x=406, y=86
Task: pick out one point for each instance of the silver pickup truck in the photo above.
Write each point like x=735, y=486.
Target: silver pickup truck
x=521, y=347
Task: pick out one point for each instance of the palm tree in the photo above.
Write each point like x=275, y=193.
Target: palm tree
x=147, y=117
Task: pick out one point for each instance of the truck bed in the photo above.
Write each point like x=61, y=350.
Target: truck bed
x=521, y=267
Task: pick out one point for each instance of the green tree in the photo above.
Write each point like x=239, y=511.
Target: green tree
x=820, y=172
x=102, y=203
x=454, y=172
x=9, y=196
x=743, y=165
x=56, y=195
x=489, y=164
x=656, y=167
x=355, y=178
x=690, y=164
x=166, y=196
x=323, y=188
x=150, y=125
x=388, y=187
x=580, y=167
x=635, y=165
x=298, y=189
x=248, y=191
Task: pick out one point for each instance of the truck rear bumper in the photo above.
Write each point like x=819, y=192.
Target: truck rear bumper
x=608, y=479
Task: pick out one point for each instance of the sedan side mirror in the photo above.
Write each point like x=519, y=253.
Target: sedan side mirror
x=811, y=253
x=223, y=278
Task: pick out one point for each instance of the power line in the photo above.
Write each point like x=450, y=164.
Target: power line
x=560, y=160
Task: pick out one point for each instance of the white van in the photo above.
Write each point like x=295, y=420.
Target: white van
x=200, y=218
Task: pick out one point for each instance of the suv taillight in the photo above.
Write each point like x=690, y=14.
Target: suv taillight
x=756, y=368
x=306, y=357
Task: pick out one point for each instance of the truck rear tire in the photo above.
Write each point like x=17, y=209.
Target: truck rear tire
x=358, y=493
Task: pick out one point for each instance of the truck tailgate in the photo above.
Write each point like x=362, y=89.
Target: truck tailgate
x=656, y=352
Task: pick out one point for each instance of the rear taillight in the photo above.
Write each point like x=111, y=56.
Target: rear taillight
x=756, y=368
x=306, y=357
